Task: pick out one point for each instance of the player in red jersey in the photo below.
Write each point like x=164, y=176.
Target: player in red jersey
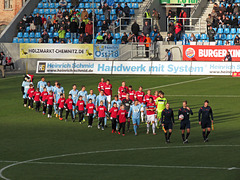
x=132, y=93
x=90, y=112
x=147, y=96
x=121, y=116
x=43, y=98
x=37, y=95
x=108, y=92
x=101, y=113
x=123, y=94
x=140, y=96
x=113, y=116
x=101, y=85
x=121, y=88
x=60, y=105
x=155, y=96
x=151, y=113
x=69, y=107
x=49, y=101
x=80, y=109
x=30, y=94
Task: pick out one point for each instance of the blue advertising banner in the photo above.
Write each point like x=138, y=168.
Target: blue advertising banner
x=102, y=51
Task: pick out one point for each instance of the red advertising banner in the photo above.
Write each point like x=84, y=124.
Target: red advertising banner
x=236, y=74
x=209, y=53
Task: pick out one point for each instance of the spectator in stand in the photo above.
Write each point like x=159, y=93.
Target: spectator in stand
x=9, y=62
x=43, y=19
x=211, y=34
x=214, y=14
x=229, y=10
x=74, y=3
x=108, y=38
x=65, y=13
x=106, y=11
x=86, y=20
x=32, y=27
x=237, y=40
x=147, y=45
x=21, y=26
x=235, y=9
x=141, y=39
x=147, y=15
x=99, y=38
x=135, y=28
x=49, y=23
x=209, y=20
x=38, y=22
x=73, y=29
x=45, y=37
x=56, y=26
x=81, y=39
x=228, y=22
x=30, y=18
x=171, y=28
x=104, y=26
x=234, y=22
x=192, y=38
x=59, y=13
x=169, y=37
x=84, y=14
x=110, y=2
x=62, y=4
x=227, y=43
x=66, y=18
x=44, y=26
x=67, y=26
x=24, y=19
x=178, y=31
x=216, y=7
x=228, y=57
x=112, y=27
x=40, y=41
x=61, y=34
x=126, y=10
x=82, y=27
x=60, y=19
x=62, y=25
x=124, y=39
x=146, y=28
x=182, y=14
x=87, y=39
x=69, y=41
x=132, y=38
x=156, y=19
x=118, y=9
x=158, y=37
x=89, y=28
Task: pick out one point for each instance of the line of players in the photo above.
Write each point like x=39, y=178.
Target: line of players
x=127, y=105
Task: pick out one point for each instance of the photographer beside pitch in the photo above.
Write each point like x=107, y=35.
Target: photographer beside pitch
x=204, y=121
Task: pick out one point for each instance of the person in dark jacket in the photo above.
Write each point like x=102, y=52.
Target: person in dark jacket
x=135, y=28
x=21, y=26
x=45, y=36
x=104, y=26
x=158, y=37
x=73, y=29
x=87, y=39
x=74, y=3
x=211, y=34
x=118, y=9
x=38, y=22
x=228, y=57
x=82, y=27
x=146, y=28
x=124, y=38
x=234, y=22
x=126, y=10
x=30, y=18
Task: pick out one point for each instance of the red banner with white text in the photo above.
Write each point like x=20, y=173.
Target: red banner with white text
x=209, y=53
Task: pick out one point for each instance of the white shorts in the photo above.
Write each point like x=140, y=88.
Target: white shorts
x=109, y=98
x=151, y=118
x=142, y=109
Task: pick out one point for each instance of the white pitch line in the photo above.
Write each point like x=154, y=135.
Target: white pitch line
x=222, y=96
x=131, y=165
x=105, y=151
x=183, y=82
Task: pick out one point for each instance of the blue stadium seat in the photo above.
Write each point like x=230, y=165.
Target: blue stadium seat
x=96, y=11
x=116, y=1
x=216, y=37
x=119, y=41
x=117, y=36
x=51, y=29
x=15, y=40
x=87, y=5
x=40, y=5
x=45, y=5
x=55, y=34
x=233, y=31
x=68, y=35
x=27, y=28
x=197, y=36
x=20, y=35
x=81, y=5
x=203, y=37
x=21, y=40
x=44, y=1
x=50, y=34
x=100, y=11
x=37, y=40
x=229, y=37
x=122, y=5
x=69, y=5
x=56, y=5
x=98, y=17
x=120, y=1
x=99, y=23
x=85, y=1
x=76, y=41
x=97, y=4
x=32, y=35
x=139, y=1
x=102, y=17
x=52, y=5
x=53, y=11
x=93, y=6
x=47, y=11
x=25, y=35
x=50, y=41
x=133, y=1
x=132, y=12
x=238, y=30
x=129, y=5
x=231, y=43
x=113, y=11
x=68, y=1
x=135, y=5
x=226, y=31
x=89, y=11
x=127, y=1
x=50, y=16
x=26, y=40
x=35, y=11
x=37, y=35
x=97, y=1
x=220, y=31
x=223, y=36
x=33, y=40
x=41, y=11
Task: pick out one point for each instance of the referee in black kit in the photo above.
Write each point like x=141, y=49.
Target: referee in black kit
x=204, y=121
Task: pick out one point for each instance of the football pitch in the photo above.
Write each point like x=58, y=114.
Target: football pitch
x=35, y=147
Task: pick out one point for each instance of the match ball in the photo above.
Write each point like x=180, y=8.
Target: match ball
x=181, y=117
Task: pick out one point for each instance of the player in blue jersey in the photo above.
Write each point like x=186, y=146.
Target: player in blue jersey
x=41, y=84
x=135, y=111
x=25, y=86
x=58, y=91
x=74, y=93
x=93, y=97
x=49, y=87
x=54, y=89
x=103, y=98
x=117, y=101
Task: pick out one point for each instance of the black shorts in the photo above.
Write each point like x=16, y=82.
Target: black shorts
x=206, y=124
x=185, y=125
x=168, y=125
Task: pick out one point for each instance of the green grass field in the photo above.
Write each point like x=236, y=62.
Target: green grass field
x=35, y=147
